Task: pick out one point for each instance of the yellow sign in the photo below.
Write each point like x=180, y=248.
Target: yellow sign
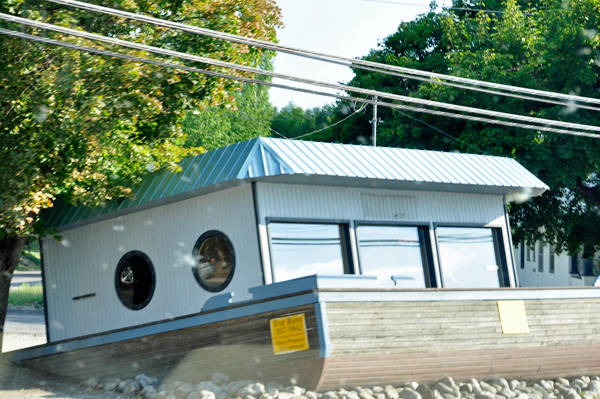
x=289, y=334
x=513, y=317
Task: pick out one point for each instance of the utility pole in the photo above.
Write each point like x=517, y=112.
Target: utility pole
x=374, y=122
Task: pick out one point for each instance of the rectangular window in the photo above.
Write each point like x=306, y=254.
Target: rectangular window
x=541, y=259
x=551, y=259
x=533, y=253
x=523, y=256
x=588, y=267
x=574, y=264
x=395, y=252
x=528, y=253
x=471, y=257
x=304, y=249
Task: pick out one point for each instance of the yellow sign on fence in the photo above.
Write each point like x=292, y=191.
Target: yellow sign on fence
x=513, y=317
x=289, y=334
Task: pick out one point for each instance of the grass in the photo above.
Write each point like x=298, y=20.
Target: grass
x=30, y=260
x=30, y=295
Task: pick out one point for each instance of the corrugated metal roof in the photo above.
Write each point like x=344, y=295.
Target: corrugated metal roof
x=305, y=162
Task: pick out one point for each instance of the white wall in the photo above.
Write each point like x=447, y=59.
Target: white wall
x=86, y=260
x=530, y=276
x=355, y=204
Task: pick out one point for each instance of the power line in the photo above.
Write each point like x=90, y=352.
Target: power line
x=345, y=88
x=436, y=78
x=262, y=82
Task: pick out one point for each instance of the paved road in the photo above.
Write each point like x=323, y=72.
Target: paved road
x=23, y=328
x=31, y=278
x=25, y=322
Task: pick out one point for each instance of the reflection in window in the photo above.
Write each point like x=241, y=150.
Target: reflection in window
x=387, y=251
x=215, y=261
x=303, y=249
x=134, y=280
x=468, y=257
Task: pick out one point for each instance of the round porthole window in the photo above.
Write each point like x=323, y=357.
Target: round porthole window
x=135, y=280
x=215, y=261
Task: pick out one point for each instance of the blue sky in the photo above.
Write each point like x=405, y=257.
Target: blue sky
x=348, y=28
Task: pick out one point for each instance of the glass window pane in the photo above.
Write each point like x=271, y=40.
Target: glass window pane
x=387, y=251
x=467, y=257
x=302, y=249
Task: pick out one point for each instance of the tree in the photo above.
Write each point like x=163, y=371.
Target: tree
x=87, y=128
x=545, y=44
x=216, y=127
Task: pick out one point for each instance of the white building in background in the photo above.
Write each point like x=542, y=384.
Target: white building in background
x=540, y=266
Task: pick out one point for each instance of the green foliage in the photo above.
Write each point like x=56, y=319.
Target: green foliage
x=217, y=127
x=86, y=127
x=31, y=258
x=314, y=124
x=30, y=295
x=549, y=45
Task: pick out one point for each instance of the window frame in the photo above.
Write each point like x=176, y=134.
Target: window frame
x=345, y=238
x=424, y=241
x=541, y=259
x=552, y=259
x=499, y=250
x=117, y=279
x=203, y=237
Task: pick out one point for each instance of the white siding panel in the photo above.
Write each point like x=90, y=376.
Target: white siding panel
x=338, y=203
x=85, y=262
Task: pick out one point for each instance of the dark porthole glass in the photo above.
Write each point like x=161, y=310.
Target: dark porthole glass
x=135, y=280
x=215, y=261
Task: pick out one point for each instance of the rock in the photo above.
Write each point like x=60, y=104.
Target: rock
x=500, y=382
x=206, y=394
x=409, y=393
x=109, y=384
x=513, y=384
x=577, y=389
x=233, y=387
x=540, y=389
x=132, y=387
x=523, y=396
x=448, y=396
x=265, y=396
x=90, y=383
x=425, y=391
x=364, y=394
x=219, y=378
x=448, y=381
x=562, y=381
x=487, y=387
x=311, y=395
x=444, y=389
x=390, y=392
x=143, y=380
x=594, y=385
x=123, y=384
x=412, y=385
x=474, y=383
x=466, y=388
x=149, y=392
x=184, y=390
x=295, y=390
x=507, y=393
x=194, y=395
x=578, y=382
x=378, y=389
x=287, y=395
x=485, y=395
x=572, y=395
x=379, y=395
x=588, y=394
x=585, y=379
x=498, y=396
x=548, y=385
x=333, y=395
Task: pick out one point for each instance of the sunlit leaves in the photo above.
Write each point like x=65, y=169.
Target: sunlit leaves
x=88, y=128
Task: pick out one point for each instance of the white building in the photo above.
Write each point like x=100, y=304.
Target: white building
x=269, y=210
x=540, y=266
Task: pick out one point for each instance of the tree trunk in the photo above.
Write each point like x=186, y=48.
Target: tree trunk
x=11, y=249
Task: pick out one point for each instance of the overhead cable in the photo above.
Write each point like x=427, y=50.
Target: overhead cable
x=261, y=82
x=436, y=78
x=373, y=93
